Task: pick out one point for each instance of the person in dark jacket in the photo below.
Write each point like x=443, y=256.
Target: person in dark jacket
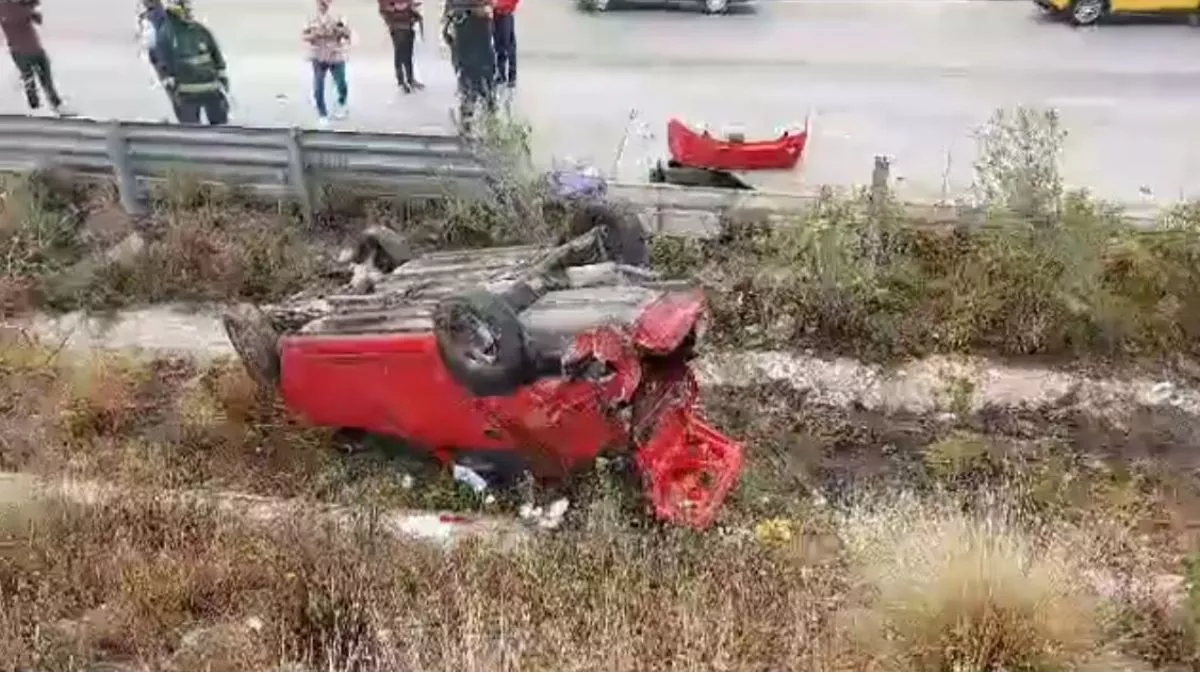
x=467, y=28
x=504, y=41
x=403, y=19
x=150, y=21
x=192, y=66
x=19, y=20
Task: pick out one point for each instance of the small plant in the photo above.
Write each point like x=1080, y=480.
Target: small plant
x=1017, y=167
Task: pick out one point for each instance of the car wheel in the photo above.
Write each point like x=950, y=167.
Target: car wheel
x=481, y=342
x=594, y=5
x=1087, y=12
x=716, y=6
x=256, y=343
x=624, y=238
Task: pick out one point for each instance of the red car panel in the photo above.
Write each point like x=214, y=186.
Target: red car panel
x=702, y=150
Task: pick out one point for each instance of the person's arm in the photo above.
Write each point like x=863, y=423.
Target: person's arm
x=218, y=58
x=343, y=31
x=164, y=44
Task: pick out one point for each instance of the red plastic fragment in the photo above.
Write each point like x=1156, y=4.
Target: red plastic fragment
x=689, y=469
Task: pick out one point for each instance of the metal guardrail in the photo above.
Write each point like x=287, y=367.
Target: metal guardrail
x=283, y=161
x=293, y=162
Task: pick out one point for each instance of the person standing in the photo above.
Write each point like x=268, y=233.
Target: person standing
x=150, y=21
x=504, y=41
x=328, y=35
x=403, y=19
x=192, y=66
x=467, y=29
x=19, y=20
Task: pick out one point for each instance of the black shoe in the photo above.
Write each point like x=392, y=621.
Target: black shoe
x=406, y=87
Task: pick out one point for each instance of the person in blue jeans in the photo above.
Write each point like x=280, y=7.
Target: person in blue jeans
x=328, y=36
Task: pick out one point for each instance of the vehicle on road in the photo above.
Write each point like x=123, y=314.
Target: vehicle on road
x=706, y=6
x=1088, y=12
x=700, y=159
x=512, y=361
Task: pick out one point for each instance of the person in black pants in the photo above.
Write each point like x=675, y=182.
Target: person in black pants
x=18, y=21
x=468, y=31
x=504, y=41
x=403, y=19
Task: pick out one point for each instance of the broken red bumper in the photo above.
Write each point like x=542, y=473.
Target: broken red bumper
x=689, y=468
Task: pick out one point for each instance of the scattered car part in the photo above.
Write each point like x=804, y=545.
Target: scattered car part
x=699, y=159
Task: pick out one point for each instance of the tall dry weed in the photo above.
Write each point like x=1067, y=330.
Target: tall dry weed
x=946, y=590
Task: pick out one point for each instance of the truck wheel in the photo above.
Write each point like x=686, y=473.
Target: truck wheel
x=482, y=344
x=1087, y=12
x=256, y=343
x=624, y=236
x=716, y=6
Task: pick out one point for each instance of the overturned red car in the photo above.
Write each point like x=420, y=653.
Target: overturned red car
x=534, y=357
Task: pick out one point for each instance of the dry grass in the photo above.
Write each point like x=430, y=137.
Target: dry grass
x=914, y=583
x=142, y=584
x=948, y=591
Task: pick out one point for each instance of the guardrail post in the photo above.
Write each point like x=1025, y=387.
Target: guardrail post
x=298, y=175
x=880, y=177
x=127, y=183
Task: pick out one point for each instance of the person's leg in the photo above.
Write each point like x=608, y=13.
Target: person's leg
x=338, y=70
x=46, y=78
x=319, y=69
x=25, y=67
x=505, y=43
x=510, y=45
x=398, y=39
x=188, y=108
x=408, y=61
x=216, y=108
x=498, y=46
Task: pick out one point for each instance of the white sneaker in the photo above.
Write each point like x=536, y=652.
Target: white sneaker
x=322, y=122
x=340, y=112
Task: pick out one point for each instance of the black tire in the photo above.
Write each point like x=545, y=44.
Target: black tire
x=624, y=237
x=506, y=365
x=256, y=343
x=1087, y=12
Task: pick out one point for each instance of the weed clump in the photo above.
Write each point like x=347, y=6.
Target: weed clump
x=946, y=591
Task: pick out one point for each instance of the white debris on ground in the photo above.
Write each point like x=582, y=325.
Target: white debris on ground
x=548, y=518
x=440, y=529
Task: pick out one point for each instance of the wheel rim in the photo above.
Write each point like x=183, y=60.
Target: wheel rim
x=475, y=340
x=600, y=5
x=1087, y=11
x=716, y=5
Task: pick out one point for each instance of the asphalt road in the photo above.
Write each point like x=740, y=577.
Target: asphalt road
x=906, y=78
